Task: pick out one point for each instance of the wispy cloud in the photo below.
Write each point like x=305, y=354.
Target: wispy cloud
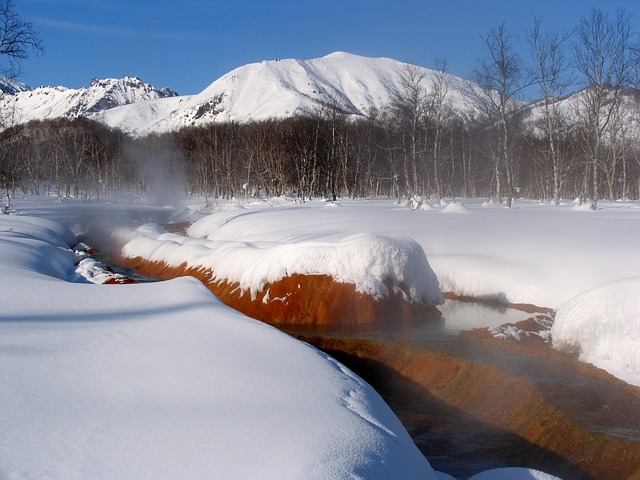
x=116, y=31
x=79, y=3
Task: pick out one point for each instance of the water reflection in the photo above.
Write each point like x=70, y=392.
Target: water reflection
x=456, y=316
x=460, y=315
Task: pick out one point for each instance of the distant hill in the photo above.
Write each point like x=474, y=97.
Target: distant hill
x=572, y=107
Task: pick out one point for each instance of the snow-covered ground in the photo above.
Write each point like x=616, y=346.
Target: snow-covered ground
x=513, y=474
x=161, y=380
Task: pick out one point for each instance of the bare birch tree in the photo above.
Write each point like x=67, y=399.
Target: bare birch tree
x=499, y=81
x=603, y=56
x=551, y=76
x=438, y=112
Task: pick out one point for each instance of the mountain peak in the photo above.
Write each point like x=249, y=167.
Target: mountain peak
x=341, y=55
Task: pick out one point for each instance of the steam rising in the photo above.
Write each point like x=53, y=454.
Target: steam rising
x=159, y=168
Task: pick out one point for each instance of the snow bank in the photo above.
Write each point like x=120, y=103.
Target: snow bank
x=49, y=251
x=368, y=261
x=444, y=476
x=533, y=253
x=603, y=324
x=161, y=380
x=513, y=474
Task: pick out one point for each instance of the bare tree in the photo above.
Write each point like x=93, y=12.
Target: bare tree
x=603, y=56
x=550, y=74
x=438, y=112
x=499, y=80
x=408, y=111
x=17, y=40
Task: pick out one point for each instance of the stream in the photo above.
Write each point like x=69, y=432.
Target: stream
x=462, y=445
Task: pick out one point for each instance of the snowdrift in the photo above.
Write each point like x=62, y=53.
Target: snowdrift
x=360, y=279
x=603, y=325
x=163, y=381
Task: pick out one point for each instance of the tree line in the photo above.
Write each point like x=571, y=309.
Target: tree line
x=418, y=148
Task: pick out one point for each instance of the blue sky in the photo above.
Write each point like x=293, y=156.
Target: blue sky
x=185, y=45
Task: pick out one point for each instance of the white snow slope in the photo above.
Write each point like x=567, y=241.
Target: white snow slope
x=572, y=110
x=161, y=380
x=281, y=88
x=10, y=86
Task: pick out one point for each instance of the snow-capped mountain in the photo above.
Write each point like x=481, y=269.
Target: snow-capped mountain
x=281, y=88
x=354, y=84
x=571, y=110
x=53, y=102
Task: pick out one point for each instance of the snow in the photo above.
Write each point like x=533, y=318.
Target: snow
x=161, y=380
x=444, y=476
x=54, y=102
x=97, y=272
x=280, y=89
x=572, y=107
x=258, y=91
x=513, y=474
x=534, y=253
x=603, y=325
x=11, y=86
x=512, y=332
x=365, y=260
x=456, y=208
x=92, y=369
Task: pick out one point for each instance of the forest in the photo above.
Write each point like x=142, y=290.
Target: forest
x=324, y=155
